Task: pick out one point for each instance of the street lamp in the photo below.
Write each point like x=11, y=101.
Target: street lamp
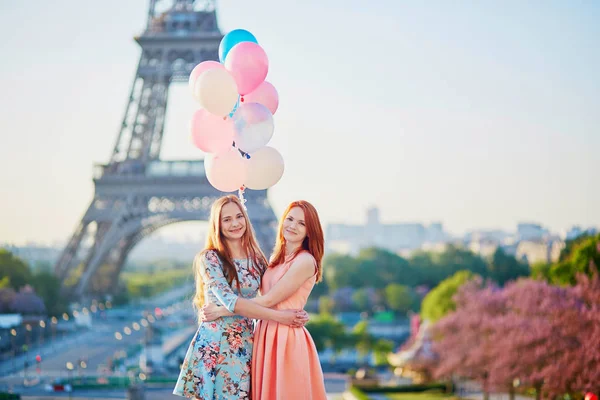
x=69, y=370
x=13, y=335
x=83, y=365
x=27, y=340
x=41, y=332
x=54, y=321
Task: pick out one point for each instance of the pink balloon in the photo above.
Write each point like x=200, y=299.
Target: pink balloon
x=200, y=68
x=249, y=65
x=211, y=133
x=226, y=171
x=265, y=94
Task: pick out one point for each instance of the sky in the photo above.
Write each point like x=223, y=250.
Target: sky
x=477, y=114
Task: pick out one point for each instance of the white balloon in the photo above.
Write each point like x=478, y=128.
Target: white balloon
x=264, y=168
x=216, y=91
x=254, y=127
x=225, y=171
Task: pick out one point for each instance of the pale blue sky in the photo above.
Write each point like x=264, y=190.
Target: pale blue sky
x=473, y=113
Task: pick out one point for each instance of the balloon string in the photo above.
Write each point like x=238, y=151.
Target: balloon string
x=242, y=152
x=241, y=196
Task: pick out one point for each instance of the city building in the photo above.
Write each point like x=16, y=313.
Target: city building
x=397, y=238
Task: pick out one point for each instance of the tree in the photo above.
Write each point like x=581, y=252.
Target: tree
x=48, y=287
x=381, y=350
x=538, y=339
x=363, y=340
x=588, y=290
x=540, y=271
x=325, y=305
x=463, y=342
x=320, y=289
x=340, y=271
x=327, y=332
x=27, y=302
x=543, y=335
x=378, y=267
x=504, y=267
x=435, y=267
x=15, y=269
x=7, y=295
x=399, y=298
x=342, y=299
x=438, y=301
x=361, y=300
x=576, y=258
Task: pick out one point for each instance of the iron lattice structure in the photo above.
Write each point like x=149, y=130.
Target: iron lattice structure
x=137, y=193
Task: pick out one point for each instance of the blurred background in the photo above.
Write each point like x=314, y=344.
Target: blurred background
x=450, y=149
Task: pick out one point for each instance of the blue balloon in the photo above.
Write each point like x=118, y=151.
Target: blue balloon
x=231, y=39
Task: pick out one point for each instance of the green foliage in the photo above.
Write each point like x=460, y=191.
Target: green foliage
x=363, y=341
x=144, y=285
x=372, y=272
x=540, y=271
x=325, y=305
x=361, y=300
x=358, y=394
x=577, y=257
x=438, y=301
x=504, y=268
x=47, y=286
x=455, y=259
x=399, y=298
x=15, y=269
x=320, y=289
x=381, y=349
x=378, y=267
x=328, y=332
x=16, y=273
x=372, y=267
x=340, y=270
x=9, y=396
x=434, y=390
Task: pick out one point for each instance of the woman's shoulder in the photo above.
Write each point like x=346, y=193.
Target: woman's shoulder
x=304, y=258
x=208, y=256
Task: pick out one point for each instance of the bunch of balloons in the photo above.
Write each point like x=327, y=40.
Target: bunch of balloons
x=235, y=123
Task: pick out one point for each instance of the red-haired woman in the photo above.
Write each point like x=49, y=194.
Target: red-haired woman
x=285, y=363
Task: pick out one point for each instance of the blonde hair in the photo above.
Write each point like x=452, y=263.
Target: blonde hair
x=216, y=242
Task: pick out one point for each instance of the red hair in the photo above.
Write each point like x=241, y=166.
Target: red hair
x=313, y=243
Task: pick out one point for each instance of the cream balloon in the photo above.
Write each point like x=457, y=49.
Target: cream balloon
x=226, y=171
x=264, y=168
x=216, y=91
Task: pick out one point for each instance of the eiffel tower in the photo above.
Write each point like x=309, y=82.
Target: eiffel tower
x=137, y=193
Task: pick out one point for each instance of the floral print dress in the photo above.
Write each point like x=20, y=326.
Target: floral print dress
x=218, y=360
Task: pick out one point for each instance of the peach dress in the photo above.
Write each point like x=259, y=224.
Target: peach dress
x=285, y=363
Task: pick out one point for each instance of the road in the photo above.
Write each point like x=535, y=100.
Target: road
x=334, y=384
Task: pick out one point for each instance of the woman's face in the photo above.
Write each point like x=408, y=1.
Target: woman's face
x=294, y=226
x=233, y=222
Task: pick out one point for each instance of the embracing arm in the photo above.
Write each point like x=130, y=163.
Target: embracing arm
x=217, y=284
x=249, y=309
x=301, y=269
